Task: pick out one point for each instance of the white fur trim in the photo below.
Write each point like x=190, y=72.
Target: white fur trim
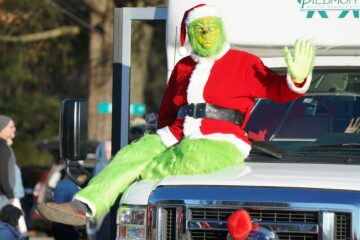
x=200, y=75
x=183, y=51
x=166, y=136
x=198, y=80
x=200, y=12
x=198, y=58
x=192, y=126
x=192, y=130
x=89, y=204
x=296, y=89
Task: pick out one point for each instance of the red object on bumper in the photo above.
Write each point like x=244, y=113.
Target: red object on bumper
x=239, y=225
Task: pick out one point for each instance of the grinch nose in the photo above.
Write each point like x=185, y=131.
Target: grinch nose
x=239, y=225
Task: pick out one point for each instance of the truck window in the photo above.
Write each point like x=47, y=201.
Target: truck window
x=327, y=108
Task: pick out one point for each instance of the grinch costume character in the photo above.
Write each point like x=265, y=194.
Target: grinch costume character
x=202, y=115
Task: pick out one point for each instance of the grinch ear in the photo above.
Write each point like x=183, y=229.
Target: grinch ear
x=183, y=51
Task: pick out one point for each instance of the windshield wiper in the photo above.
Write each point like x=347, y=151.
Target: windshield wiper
x=331, y=146
x=267, y=148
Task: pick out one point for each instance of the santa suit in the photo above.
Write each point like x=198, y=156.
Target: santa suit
x=232, y=79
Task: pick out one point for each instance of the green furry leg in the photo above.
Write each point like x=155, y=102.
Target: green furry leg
x=194, y=156
x=103, y=190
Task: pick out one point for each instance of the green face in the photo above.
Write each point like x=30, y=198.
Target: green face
x=206, y=35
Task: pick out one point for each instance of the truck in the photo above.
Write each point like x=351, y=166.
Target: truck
x=301, y=179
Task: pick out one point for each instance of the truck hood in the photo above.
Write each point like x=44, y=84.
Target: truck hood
x=318, y=176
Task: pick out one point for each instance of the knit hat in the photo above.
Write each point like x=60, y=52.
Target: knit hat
x=10, y=215
x=4, y=120
x=196, y=12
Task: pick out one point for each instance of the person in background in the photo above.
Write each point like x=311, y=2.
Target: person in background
x=9, y=218
x=19, y=193
x=64, y=192
x=7, y=161
x=102, y=155
x=354, y=126
x=101, y=225
x=11, y=185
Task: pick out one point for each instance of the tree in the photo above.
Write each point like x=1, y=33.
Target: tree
x=42, y=54
x=101, y=53
x=100, y=57
x=56, y=49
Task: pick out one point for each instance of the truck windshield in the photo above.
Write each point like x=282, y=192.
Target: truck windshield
x=316, y=121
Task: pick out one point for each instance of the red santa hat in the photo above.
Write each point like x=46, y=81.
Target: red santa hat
x=196, y=12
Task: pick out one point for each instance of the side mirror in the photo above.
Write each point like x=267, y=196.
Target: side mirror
x=73, y=129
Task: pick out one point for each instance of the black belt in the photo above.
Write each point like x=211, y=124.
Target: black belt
x=207, y=110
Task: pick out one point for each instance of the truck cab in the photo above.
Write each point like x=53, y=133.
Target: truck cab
x=301, y=179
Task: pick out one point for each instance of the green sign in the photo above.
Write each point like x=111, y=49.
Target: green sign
x=137, y=109
x=105, y=107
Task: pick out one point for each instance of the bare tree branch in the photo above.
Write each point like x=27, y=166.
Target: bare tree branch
x=50, y=34
x=96, y=7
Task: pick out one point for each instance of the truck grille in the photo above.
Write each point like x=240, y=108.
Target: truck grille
x=168, y=227
x=342, y=222
x=201, y=212
x=259, y=215
x=199, y=235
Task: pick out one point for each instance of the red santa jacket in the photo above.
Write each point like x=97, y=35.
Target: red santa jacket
x=232, y=79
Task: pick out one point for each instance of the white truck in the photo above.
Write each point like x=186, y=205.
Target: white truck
x=301, y=181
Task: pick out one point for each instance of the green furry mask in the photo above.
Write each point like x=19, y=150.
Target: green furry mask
x=207, y=36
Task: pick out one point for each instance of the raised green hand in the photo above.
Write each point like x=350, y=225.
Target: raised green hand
x=301, y=65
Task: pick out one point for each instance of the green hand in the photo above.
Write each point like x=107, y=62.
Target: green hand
x=301, y=65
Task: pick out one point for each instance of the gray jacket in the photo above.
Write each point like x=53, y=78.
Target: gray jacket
x=7, y=173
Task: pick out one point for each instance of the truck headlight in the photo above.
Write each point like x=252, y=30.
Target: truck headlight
x=131, y=223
